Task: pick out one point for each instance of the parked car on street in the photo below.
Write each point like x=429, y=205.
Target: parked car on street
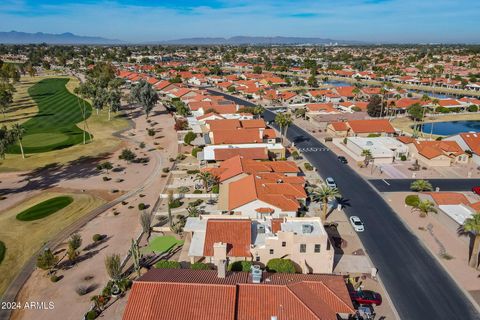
x=330, y=182
x=367, y=297
x=342, y=159
x=357, y=224
x=476, y=190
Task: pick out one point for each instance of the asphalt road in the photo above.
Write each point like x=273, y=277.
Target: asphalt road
x=418, y=285
x=399, y=185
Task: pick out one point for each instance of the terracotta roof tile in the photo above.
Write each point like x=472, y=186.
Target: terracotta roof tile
x=235, y=233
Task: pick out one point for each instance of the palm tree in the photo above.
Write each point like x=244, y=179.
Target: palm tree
x=436, y=104
x=472, y=226
x=383, y=92
x=193, y=211
x=136, y=256
x=17, y=132
x=283, y=120
x=356, y=91
x=368, y=156
x=425, y=207
x=204, y=177
x=421, y=185
x=324, y=194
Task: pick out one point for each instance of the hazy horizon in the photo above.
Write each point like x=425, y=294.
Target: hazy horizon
x=374, y=21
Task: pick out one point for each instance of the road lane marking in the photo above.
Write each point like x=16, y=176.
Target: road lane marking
x=386, y=182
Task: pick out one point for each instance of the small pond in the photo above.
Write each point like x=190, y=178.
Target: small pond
x=449, y=128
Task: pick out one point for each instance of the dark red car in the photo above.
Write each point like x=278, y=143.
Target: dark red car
x=476, y=190
x=366, y=297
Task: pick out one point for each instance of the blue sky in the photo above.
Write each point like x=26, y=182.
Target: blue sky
x=410, y=21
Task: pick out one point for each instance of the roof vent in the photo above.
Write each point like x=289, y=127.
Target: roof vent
x=273, y=318
x=307, y=228
x=261, y=228
x=256, y=274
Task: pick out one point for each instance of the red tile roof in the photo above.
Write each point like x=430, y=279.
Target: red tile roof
x=237, y=234
x=200, y=294
x=246, y=153
x=371, y=126
x=472, y=140
x=433, y=149
x=448, y=198
x=180, y=301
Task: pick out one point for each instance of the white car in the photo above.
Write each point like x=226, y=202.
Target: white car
x=357, y=224
x=330, y=182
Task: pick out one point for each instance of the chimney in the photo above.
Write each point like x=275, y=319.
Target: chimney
x=220, y=258
x=261, y=133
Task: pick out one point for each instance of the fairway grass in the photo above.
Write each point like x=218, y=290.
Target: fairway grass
x=23, y=239
x=54, y=126
x=45, y=208
x=162, y=244
x=24, y=108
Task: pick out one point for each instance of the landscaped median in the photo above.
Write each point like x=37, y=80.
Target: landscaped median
x=45, y=216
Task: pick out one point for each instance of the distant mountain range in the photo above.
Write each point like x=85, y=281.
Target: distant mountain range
x=15, y=37
x=245, y=40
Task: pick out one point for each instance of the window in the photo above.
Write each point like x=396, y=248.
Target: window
x=271, y=251
x=284, y=244
x=257, y=259
x=317, y=248
x=303, y=248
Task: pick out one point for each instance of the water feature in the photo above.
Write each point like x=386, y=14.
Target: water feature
x=449, y=128
x=336, y=83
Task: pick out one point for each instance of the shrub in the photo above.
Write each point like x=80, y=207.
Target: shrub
x=328, y=139
x=142, y=206
x=195, y=151
x=142, y=145
x=106, y=179
x=473, y=108
x=193, y=171
x=244, y=266
x=216, y=189
x=373, y=135
x=403, y=157
x=198, y=191
x=412, y=200
x=55, y=278
x=166, y=170
x=167, y=264
x=356, y=109
x=196, y=203
x=295, y=155
x=308, y=166
x=189, y=137
x=345, y=140
x=200, y=266
x=97, y=237
x=91, y=315
x=281, y=266
x=151, y=132
x=82, y=290
x=127, y=155
x=176, y=203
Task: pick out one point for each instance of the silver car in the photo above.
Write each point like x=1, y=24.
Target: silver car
x=330, y=182
x=357, y=224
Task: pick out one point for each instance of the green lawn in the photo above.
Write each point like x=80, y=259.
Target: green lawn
x=54, y=126
x=162, y=244
x=2, y=251
x=45, y=208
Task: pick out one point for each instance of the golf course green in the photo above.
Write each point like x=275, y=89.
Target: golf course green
x=45, y=208
x=54, y=126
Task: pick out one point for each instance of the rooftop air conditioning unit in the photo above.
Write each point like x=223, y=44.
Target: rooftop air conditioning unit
x=261, y=228
x=256, y=274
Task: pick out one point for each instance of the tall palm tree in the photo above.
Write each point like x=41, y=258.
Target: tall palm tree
x=324, y=194
x=146, y=219
x=425, y=207
x=383, y=92
x=421, y=185
x=472, y=226
x=283, y=120
x=368, y=156
x=205, y=178
x=169, y=208
x=17, y=132
x=436, y=104
x=113, y=265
